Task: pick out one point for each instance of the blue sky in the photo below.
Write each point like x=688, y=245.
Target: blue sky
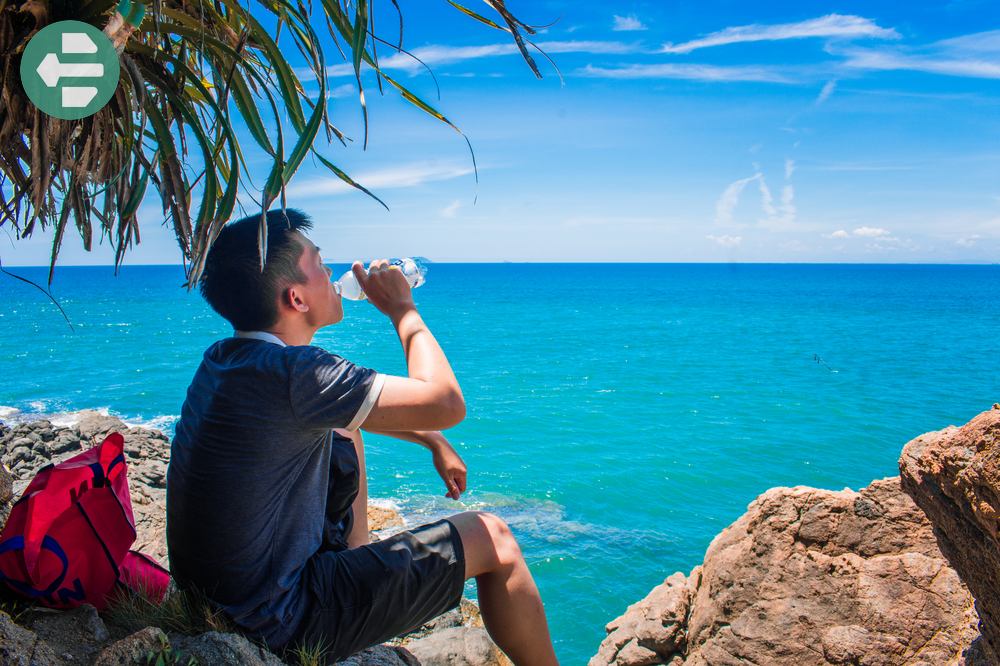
x=712, y=131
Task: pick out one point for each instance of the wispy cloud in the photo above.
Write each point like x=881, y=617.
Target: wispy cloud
x=973, y=56
x=873, y=239
x=775, y=216
x=451, y=209
x=729, y=199
x=825, y=93
x=978, y=42
x=837, y=26
x=941, y=64
x=628, y=23
x=872, y=232
x=345, y=90
x=968, y=241
x=687, y=71
x=441, y=54
x=726, y=241
x=407, y=175
x=766, y=200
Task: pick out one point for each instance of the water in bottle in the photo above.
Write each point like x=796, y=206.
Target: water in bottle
x=414, y=270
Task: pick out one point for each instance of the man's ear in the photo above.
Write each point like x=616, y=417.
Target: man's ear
x=294, y=298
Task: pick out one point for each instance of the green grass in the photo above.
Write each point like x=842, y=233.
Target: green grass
x=14, y=607
x=186, y=612
x=309, y=654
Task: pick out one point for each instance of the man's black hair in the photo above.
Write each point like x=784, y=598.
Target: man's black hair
x=232, y=281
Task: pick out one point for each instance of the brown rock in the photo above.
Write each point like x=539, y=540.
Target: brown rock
x=133, y=649
x=807, y=576
x=653, y=630
x=382, y=655
x=21, y=647
x=79, y=632
x=457, y=646
x=17, y=644
x=221, y=649
x=380, y=518
x=465, y=615
x=94, y=425
x=954, y=476
x=6, y=485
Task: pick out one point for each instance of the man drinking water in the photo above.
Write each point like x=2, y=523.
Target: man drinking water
x=266, y=487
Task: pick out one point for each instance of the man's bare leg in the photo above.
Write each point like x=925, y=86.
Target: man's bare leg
x=508, y=598
x=359, y=530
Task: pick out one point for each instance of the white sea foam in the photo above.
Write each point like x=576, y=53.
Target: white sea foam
x=40, y=410
x=383, y=503
x=67, y=419
x=162, y=422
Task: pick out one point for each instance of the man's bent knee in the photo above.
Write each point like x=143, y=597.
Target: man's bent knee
x=488, y=542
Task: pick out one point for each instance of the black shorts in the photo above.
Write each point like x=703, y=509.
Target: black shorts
x=364, y=596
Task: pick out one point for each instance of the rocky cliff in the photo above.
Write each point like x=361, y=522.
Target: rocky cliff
x=40, y=637
x=954, y=476
x=807, y=576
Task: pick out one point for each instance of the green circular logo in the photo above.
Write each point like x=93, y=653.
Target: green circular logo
x=70, y=70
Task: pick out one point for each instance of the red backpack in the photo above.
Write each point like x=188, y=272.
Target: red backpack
x=67, y=539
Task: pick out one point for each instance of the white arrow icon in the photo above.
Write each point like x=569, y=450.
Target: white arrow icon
x=78, y=42
x=51, y=70
x=77, y=98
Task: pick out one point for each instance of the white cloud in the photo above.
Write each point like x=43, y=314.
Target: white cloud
x=730, y=197
x=978, y=42
x=451, y=209
x=880, y=238
x=686, y=71
x=441, y=54
x=872, y=232
x=627, y=23
x=408, y=175
x=789, y=168
x=766, y=200
x=940, y=64
x=726, y=241
x=775, y=216
x=972, y=56
x=827, y=90
x=968, y=241
x=830, y=26
x=346, y=90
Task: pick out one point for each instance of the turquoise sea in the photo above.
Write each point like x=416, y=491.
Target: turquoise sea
x=619, y=415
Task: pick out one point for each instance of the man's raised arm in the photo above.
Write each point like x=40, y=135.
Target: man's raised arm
x=430, y=397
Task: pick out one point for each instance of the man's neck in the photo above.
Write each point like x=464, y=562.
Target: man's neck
x=292, y=334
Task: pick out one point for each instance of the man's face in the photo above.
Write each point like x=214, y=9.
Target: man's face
x=318, y=292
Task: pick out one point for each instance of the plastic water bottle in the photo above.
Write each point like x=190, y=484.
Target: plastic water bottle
x=414, y=270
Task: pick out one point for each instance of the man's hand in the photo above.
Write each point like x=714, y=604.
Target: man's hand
x=449, y=466
x=386, y=287
x=447, y=462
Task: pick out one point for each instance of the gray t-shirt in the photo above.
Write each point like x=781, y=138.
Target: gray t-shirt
x=249, y=469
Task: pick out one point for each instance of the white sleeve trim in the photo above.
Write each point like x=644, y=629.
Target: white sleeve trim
x=366, y=407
